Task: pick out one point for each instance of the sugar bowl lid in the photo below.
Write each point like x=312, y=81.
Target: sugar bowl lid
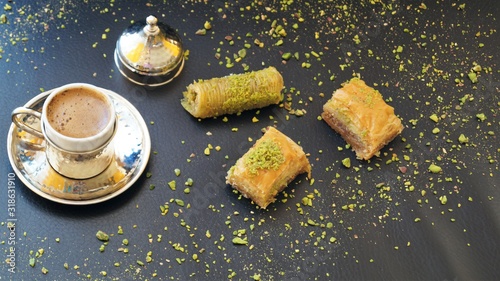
x=149, y=53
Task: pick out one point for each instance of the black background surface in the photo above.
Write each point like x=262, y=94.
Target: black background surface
x=388, y=235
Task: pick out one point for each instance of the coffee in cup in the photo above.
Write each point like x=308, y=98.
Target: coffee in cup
x=78, y=112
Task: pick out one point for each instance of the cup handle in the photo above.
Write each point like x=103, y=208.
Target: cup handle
x=16, y=113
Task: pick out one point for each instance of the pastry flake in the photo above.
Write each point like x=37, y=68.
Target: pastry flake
x=360, y=115
x=268, y=167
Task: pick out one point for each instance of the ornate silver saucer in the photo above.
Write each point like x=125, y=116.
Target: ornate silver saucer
x=132, y=146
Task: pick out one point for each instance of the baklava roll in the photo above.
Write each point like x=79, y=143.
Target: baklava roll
x=234, y=93
x=268, y=167
x=363, y=119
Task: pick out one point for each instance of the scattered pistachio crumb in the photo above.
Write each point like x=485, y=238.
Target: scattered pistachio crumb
x=346, y=162
x=102, y=236
x=434, y=169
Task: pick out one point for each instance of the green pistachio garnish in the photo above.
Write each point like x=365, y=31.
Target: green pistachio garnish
x=434, y=118
x=179, y=202
x=239, y=241
x=481, y=116
x=346, y=162
x=266, y=155
x=102, y=236
x=472, y=77
x=286, y=56
x=443, y=200
x=171, y=184
x=189, y=182
x=207, y=25
x=463, y=139
x=435, y=169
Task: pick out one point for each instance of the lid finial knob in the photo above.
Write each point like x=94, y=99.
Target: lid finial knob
x=151, y=28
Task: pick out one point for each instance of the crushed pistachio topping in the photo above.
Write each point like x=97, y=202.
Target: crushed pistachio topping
x=257, y=96
x=264, y=156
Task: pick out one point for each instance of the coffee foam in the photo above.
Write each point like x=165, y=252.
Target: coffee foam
x=78, y=113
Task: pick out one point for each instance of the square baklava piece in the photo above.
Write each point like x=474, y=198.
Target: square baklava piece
x=362, y=117
x=268, y=167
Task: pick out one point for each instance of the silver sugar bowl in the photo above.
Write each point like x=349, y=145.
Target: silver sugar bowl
x=149, y=53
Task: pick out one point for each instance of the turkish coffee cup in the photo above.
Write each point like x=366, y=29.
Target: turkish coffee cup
x=78, y=123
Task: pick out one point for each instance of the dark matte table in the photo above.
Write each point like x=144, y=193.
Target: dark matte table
x=384, y=219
